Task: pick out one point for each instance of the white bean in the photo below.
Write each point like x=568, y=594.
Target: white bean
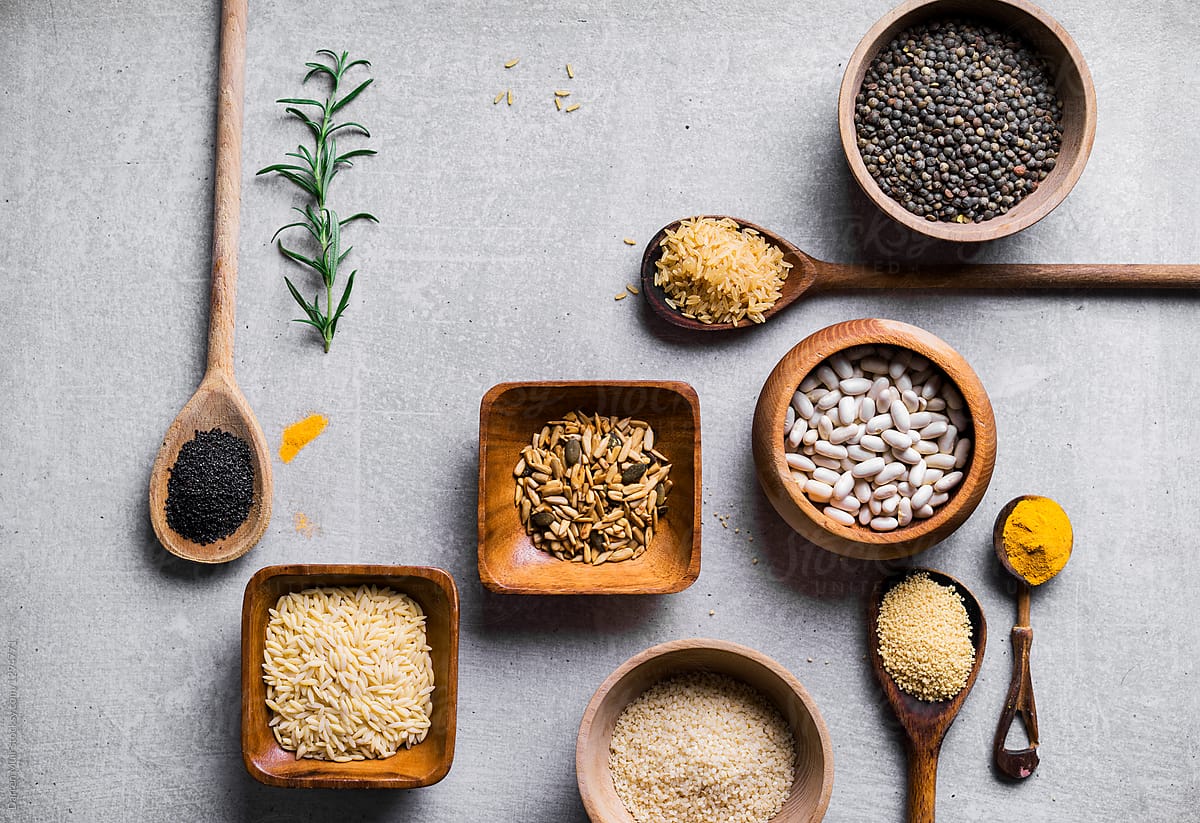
x=926, y=447
x=818, y=491
x=827, y=376
x=878, y=386
x=929, y=391
x=910, y=456
x=896, y=369
x=789, y=417
x=841, y=366
x=862, y=490
x=844, y=485
x=905, y=488
x=936, y=404
x=841, y=435
x=811, y=436
x=895, y=439
x=884, y=492
x=947, y=441
x=800, y=462
x=846, y=504
x=948, y=482
x=838, y=516
x=809, y=383
x=920, y=420
x=934, y=430
x=874, y=365
x=911, y=401
x=904, y=513
x=829, y=400
x=884, y=524
x=958, y=417
x=848, y=410
x=891, y=504
x=940, y=461
x=864, y=515
x=855, y=385
x=827, y=449
x=879, y=423
x=921, y=497
x=892, y=471
x=916, y=475
x=869, y=468
x=900, y=418
x=961, y=453
x=923, y=512
x=825, y=426
x=866, y=409
x=904, y=383
x=875, y=506
x=796, y=435
x=827, y=462
x=873, y=442
x=826, y=476
x=803, y=406
x=858, y=454
x=938, y=499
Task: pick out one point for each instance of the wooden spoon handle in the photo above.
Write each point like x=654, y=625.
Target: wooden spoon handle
x=1020, y=763
x=922, y=781
x=1001, y=277
x=227, y=196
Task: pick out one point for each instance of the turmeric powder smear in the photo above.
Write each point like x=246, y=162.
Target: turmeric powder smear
x=1037, y=539
x=300, y=434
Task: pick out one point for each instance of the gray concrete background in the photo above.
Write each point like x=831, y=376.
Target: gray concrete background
x=497, y=257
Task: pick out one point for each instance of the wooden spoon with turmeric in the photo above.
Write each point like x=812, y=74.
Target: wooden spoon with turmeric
x=1032, y=538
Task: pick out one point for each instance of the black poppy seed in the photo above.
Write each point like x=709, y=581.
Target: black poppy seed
x=980, y=101
x=211, y=487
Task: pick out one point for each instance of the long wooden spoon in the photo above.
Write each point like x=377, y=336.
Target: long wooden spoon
x=218, y=402
x=925, y=723
x=811, y=276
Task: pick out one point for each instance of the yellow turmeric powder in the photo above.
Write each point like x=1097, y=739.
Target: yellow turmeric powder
x=300, y=434
x=1037, y=539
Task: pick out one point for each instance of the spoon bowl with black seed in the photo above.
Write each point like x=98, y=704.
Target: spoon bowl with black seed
x=809, y=276
x=211, y=487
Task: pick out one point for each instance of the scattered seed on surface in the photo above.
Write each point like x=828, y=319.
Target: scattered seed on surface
x=512, y=62
x=558, y=103
x=562, y=93
x=631, y=289
x=571, y=108
x=570, y=72
x=629, y=241
x=499, y=97
x=510, y=97
x=621, y=295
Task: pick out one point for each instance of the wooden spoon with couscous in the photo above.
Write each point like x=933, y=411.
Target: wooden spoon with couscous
x=914, y=616
x=718, y=273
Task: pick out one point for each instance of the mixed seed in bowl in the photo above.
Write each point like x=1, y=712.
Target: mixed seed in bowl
x=878, y=436
x=591, y=489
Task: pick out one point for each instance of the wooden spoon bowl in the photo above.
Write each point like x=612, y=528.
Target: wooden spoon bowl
x=217, y=403
x=802, y=514
x=925, y=722
x=813, y=782
x=1075, y=90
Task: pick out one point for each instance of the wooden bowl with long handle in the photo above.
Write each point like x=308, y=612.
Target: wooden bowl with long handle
x=813, y=781
x=1073, y=82
x=801, y=513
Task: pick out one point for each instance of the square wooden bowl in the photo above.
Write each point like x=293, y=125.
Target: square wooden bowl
x=425, y=763
x=509, y=416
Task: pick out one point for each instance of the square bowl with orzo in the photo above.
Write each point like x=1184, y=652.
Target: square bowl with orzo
x=349, y=676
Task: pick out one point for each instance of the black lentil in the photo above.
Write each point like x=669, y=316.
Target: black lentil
x=957, y=121
x=211, y=487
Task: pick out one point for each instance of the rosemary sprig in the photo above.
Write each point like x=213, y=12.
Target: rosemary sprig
x=313, y=173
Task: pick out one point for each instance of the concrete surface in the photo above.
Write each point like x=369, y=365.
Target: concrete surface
x=497, y=256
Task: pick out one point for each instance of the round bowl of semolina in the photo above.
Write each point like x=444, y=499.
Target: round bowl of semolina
x=698, y=730
x=874, y=439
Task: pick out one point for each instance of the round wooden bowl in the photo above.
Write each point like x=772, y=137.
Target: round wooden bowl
x=813, y=782
x=1075, y=90
x=804, y=516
